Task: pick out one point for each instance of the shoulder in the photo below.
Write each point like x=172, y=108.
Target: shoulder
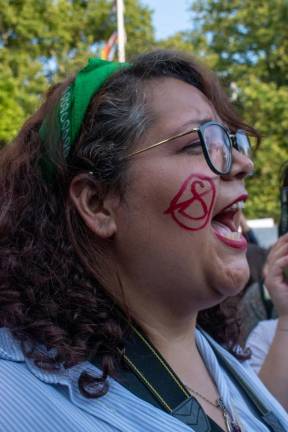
x=33, y=400
x=29, y=404
x=25, y=403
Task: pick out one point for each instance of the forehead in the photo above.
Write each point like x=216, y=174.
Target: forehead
x=174, y=102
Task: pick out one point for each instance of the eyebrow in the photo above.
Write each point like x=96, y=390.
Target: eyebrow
x=174, y=135
x=192, y=123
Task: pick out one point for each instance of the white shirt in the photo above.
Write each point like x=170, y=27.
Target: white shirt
x=260, y=341
x=35, y=400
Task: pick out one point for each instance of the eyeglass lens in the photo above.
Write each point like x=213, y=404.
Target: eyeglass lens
x=243, y=143
x=218, y=146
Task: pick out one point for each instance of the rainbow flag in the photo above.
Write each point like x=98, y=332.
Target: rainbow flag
x=109, y=48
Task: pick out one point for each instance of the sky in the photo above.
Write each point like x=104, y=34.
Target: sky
x=169, y=16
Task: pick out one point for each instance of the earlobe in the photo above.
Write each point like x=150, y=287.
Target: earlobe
x=96, y=210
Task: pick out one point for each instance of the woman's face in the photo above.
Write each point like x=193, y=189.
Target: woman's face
x=173, y=241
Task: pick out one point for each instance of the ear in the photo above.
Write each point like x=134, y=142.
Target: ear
x=97, y=212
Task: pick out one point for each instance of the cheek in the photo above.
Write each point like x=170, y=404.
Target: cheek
x=192, y=205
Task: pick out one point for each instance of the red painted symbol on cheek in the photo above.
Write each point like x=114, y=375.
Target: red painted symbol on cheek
x=192, y=205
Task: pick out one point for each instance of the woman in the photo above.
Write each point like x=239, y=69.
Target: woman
x=119, y=219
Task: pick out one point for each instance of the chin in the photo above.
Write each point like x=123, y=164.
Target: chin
x=232, y=280
x=236, y=280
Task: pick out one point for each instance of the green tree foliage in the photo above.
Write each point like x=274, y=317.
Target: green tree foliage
x=246, y=34
x=247, y=43
x=44, y=40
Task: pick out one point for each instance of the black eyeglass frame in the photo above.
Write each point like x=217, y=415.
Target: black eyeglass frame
x=232, y=139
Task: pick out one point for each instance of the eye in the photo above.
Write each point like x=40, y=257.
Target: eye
x=193, y=147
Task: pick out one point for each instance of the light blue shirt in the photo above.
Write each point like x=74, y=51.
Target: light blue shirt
x=32, y=400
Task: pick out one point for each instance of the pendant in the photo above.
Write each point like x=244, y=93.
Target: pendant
x=236, y=428
x=230, y=424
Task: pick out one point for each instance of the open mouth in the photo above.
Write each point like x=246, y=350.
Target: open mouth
x=226, y=225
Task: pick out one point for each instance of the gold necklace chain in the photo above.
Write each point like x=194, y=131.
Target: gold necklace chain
x=231, y=425
x=215, y=404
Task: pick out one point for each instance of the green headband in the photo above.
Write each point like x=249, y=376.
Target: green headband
x=72, y=108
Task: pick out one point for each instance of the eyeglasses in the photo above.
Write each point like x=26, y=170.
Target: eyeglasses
x=216, y=142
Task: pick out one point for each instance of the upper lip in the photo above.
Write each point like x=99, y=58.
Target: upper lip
x=242, y=197
x=231, y=218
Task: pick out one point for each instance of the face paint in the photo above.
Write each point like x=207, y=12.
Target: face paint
x=192, y=205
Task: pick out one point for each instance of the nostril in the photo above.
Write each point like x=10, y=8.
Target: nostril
x=242, y=165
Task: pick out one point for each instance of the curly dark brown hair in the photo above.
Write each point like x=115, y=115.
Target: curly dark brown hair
x=50, y=285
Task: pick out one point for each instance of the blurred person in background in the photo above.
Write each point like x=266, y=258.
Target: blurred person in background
x=269, y=340
x=255, y=303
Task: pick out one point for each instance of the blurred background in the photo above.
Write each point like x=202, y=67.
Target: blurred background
x=244, y=41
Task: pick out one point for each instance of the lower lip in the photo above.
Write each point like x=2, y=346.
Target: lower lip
x=235, y=244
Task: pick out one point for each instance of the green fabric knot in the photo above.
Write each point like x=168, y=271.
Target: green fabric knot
x=71, y=110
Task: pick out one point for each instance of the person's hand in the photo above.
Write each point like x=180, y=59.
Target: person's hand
x=274, y=277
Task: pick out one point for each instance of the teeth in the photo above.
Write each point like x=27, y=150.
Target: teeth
x=233, y=235
x=238, y=205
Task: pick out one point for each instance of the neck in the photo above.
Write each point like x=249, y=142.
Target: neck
x=169, y=323
x=174, y=338
x=167, y=330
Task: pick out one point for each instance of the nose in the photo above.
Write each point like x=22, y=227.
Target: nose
x=242, y=166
